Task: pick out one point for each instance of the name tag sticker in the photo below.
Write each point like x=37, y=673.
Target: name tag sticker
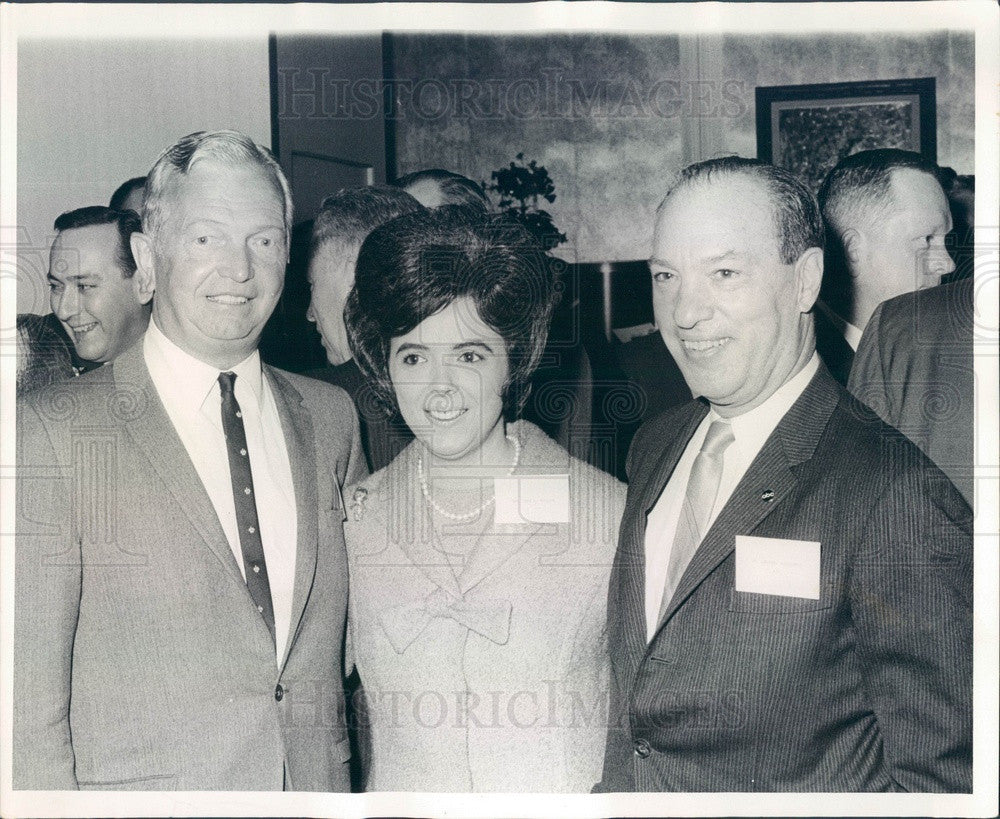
x=532, y=499
x=771, y=565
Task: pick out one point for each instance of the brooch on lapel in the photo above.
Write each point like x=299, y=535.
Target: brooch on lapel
x=358, y=502
x=767, y=495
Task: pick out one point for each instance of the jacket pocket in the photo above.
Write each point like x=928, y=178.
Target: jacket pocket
x=754, y=603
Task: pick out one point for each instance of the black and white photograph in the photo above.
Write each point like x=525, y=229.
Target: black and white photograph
x=514, y=409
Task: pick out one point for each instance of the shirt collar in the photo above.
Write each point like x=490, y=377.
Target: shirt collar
x=853, y=335
x=188, y=380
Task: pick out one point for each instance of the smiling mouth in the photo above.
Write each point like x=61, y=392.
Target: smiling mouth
x=83, y=328
x=226, y=298
x=692, y=346
x=445, y=416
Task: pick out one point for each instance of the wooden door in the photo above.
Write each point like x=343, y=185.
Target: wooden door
x=328, y=132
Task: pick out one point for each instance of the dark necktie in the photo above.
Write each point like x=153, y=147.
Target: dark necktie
x=246, y=505
x=703, y=486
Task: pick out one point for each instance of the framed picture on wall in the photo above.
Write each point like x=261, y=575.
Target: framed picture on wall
x=809, y=128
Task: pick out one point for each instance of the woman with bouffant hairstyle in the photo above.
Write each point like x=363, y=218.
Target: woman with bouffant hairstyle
x=421, y=263
x=480, y=556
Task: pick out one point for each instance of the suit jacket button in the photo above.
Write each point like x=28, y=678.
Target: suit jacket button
x=279, y=693
x=642, y=748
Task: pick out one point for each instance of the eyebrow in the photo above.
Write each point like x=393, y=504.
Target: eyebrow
x=721, y=257
x=481, y=344
x=412, y=345
x=198, y=222
x=933, y=225
x=76, y=277
x=204, y=221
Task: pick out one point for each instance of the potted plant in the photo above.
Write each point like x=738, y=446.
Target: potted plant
x=521, y=186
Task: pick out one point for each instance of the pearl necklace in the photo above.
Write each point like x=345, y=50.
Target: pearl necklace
x=473, y=513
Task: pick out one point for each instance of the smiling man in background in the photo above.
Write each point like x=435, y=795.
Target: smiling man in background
x=791, y=603
x=92, y=286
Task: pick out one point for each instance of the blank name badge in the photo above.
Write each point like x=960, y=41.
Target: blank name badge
x=532, y=499
x=773, y=565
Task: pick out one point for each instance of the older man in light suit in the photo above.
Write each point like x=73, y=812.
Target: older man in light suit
x=791, y=603
x=180, y=573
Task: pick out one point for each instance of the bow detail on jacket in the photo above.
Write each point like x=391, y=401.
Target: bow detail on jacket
x=403, y=623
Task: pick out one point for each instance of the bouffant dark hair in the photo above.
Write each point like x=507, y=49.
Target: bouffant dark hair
x=415, y=266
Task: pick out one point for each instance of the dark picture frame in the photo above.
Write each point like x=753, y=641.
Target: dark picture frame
x=809, y=128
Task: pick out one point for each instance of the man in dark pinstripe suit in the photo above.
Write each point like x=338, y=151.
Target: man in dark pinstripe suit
x=791, y=603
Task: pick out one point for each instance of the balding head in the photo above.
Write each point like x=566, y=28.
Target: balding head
x=796, y=216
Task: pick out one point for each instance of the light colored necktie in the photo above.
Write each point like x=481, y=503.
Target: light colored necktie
x=703, y=486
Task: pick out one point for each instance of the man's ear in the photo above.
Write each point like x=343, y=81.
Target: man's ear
x=853, y=241
x=808, y=278
x=144, y=280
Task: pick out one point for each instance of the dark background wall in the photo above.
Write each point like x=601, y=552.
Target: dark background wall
x=613, y=116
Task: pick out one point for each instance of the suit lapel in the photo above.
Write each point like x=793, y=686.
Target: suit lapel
x=741, y=514
x=153, y=434
x=492, y=550
x=296, y=424
x=494, y=544
x=687, y=424
x=768, y=481
x=401, y=481
x=500, y=542
x=631, y=557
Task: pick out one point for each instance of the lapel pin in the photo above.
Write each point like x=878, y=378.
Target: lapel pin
x=358, y=502
x=767, y=495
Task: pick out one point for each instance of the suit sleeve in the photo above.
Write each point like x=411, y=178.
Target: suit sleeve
x=911, y=604
x=868, y=379
x=618, y=747
x=46, y=608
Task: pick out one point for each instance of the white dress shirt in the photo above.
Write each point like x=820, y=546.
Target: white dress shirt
x=750, y=431
x=189, y=390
